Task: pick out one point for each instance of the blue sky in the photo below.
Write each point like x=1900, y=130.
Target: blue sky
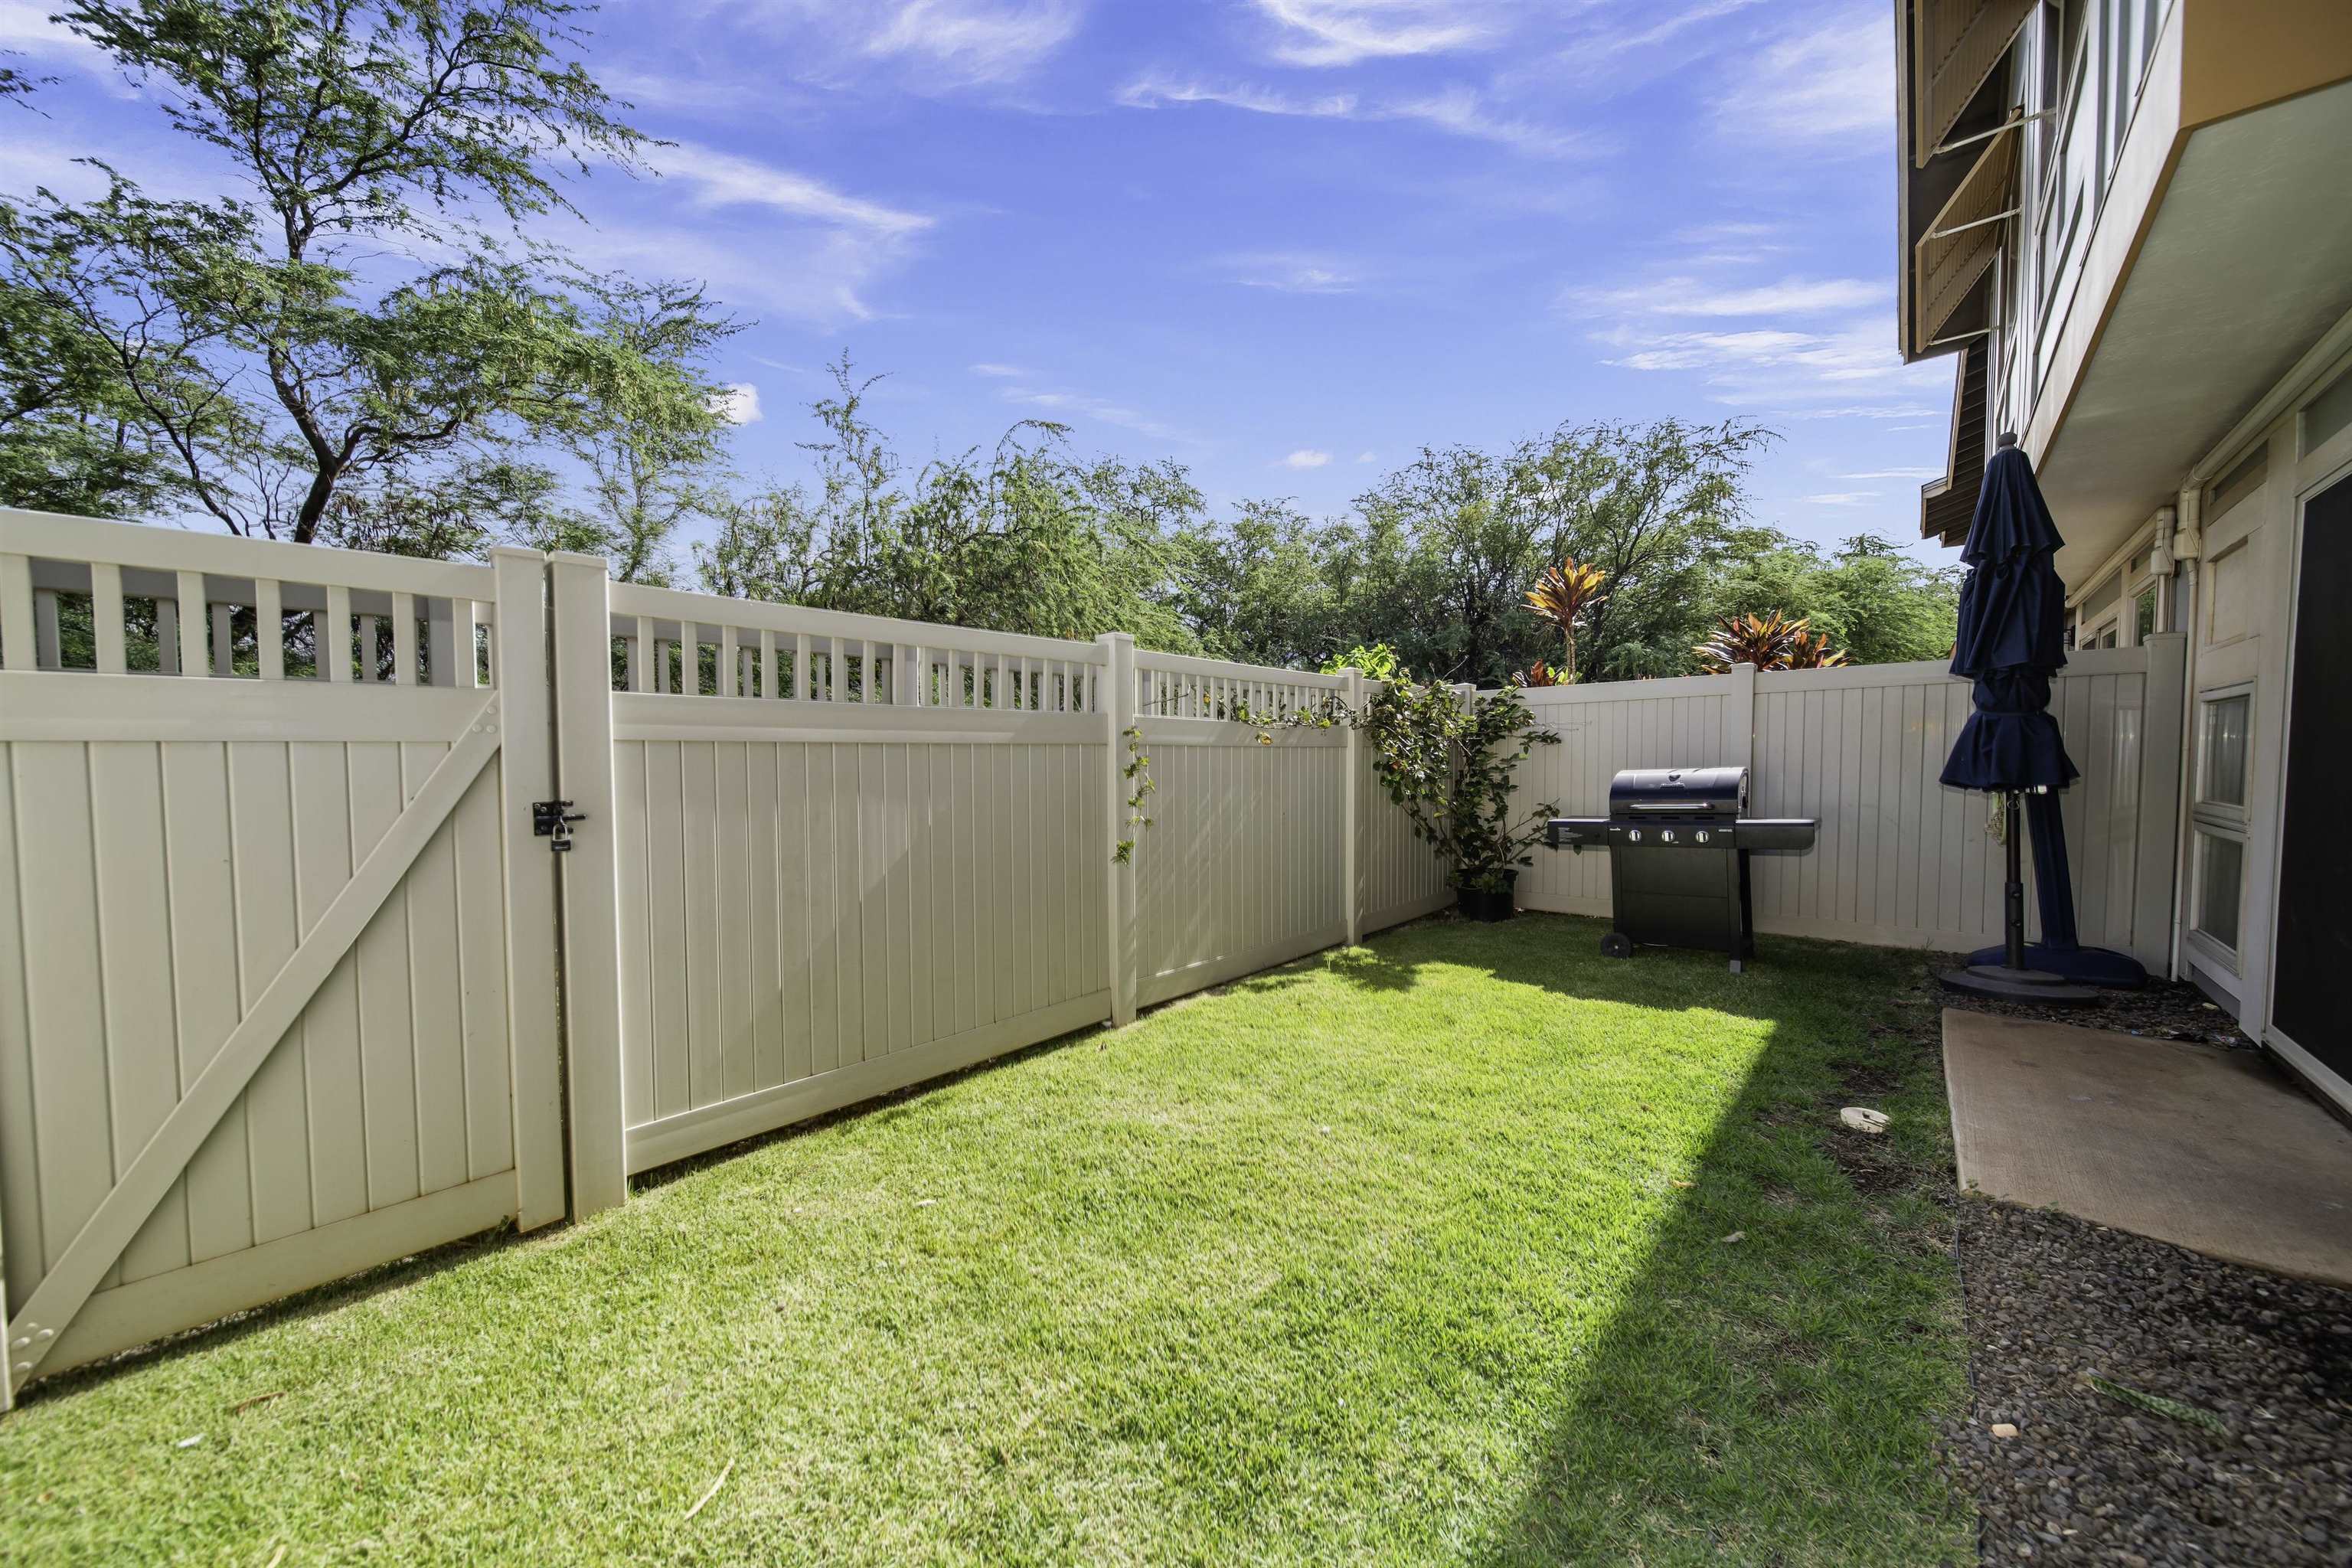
x=1287, y=242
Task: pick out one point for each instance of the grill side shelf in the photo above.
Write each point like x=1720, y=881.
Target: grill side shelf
x=1794, y=832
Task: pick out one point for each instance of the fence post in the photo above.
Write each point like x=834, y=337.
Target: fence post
x=2163, y=710
x=1351, y=891
x=580, y=597
x=526, y=772
x=1739, y=719
x=1119, y=716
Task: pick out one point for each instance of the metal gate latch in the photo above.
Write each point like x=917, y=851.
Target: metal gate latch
x=554, y=819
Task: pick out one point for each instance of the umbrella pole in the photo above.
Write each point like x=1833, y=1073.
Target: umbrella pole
x=2015, y=890
x=2011, y=981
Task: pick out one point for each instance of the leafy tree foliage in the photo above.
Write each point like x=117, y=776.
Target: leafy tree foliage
x=1018, y=538
x=260, y=347
x=1450, y=545
x=1879, y=604
x=1432, y=576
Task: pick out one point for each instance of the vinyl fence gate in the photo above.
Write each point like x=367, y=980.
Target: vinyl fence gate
x=276, y=959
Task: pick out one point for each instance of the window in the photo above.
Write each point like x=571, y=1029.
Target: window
x=2220, y=887
x=2143, y=616
x=2222, y=751
x=2218, y=814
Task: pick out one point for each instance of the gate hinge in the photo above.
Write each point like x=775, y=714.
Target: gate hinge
x=554, y=819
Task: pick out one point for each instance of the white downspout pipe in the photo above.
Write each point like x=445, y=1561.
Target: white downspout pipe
x=2186, y=546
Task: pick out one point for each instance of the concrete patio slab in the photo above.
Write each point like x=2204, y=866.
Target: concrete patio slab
x=2204, y=1148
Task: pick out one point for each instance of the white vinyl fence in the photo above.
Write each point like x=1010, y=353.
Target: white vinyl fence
x=848, y=854
x=281, y=941
x=1901, y=860
x=299, y=973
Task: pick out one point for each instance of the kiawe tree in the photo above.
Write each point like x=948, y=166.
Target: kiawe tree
x=1017, y=537
x=350, y=337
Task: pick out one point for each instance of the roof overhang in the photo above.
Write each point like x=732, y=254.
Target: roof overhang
x=2244, y=264
x=1947, y=505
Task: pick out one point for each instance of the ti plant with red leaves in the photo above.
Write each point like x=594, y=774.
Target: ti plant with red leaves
x=1561, y=595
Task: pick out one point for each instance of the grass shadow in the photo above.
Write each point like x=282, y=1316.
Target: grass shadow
x=1771, y=1380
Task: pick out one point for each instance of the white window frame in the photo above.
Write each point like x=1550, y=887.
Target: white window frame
x=2219, y=820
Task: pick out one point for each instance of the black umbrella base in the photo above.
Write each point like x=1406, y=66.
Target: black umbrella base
x=2001, y=984
x=2082, y=965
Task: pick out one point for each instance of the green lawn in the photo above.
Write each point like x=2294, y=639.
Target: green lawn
x=1419, y=1251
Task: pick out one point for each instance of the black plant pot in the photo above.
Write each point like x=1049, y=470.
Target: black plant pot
x=1480, y=904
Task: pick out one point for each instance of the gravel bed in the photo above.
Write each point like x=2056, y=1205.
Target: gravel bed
x=2256, y=1469
x=2163, y=1010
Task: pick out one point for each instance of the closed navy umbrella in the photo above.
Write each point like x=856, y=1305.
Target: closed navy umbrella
x=2011, y=640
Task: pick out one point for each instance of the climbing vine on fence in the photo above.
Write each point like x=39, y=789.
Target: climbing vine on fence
x=1141, y=788
x=1448, y=763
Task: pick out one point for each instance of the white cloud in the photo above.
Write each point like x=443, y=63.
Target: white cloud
x=935, y=44
x=1840, y=498
x=1150, y=92
x=1664, y=29
x=1753, y=342
x=1368, y=457
x=976, y=41
x=1835, y=85
x=1781, y=363
x=1067, y=405
x=1013, y=371
x=1688, y=296
x=1306, y=458
x=1292, y=272
x=26, y=30
x=724, y=180
x=759, y=235
x=1861, y=411
x=1465, y=113
x=1896, y=474
x=738, y=404
x=1343, y=31
x=1458, y=110
x=1611, y=50
x=815, y=274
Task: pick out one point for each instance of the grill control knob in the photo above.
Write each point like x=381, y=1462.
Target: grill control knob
x=1702, y=836
x=1665, y=835
x=1632, y=836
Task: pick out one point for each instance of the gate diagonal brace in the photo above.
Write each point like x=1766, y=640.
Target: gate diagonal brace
x=67, y=1285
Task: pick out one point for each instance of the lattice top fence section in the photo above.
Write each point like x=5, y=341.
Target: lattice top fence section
x=1174, y=686
x=119, y=598
x=671, y=643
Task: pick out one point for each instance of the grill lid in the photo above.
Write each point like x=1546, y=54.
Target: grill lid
x=1704, y=792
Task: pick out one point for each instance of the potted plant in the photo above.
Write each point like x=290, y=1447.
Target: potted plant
x=1446, y=759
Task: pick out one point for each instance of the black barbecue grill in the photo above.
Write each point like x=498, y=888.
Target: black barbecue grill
x=1678, y=842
